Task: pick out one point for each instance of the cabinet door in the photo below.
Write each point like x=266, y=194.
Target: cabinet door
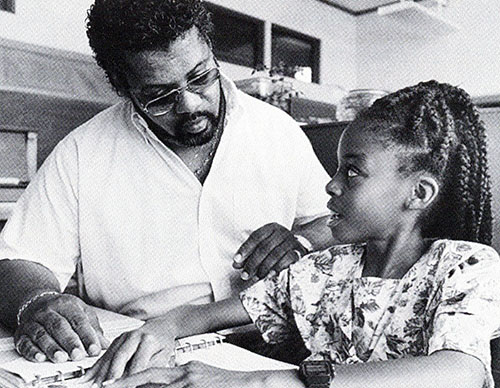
x=324, y=139
x=491, y=119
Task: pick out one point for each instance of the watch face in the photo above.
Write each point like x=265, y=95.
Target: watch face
x=315, y=368
x=317, y=373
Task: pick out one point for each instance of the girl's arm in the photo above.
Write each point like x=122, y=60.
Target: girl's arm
x=444, y=369
x=154, y=341
x=188, y=320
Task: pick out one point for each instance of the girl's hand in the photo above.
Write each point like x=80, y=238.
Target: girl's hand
x=9, y=380
x=134, y=351
x=196, y=374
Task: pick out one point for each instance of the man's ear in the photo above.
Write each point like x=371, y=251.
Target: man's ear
x=425, y=191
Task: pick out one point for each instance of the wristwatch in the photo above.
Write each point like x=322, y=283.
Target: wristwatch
x=317, y=373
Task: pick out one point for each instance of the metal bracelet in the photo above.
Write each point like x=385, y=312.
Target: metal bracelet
x=304, y=242
x=30, y=301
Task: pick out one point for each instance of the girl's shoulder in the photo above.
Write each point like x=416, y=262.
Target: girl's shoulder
x=449, y=254
x=337, y=260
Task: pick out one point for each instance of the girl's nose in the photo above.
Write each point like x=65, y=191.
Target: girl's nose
x=333, y=188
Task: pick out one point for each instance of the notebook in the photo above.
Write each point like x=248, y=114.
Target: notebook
x=209, y=348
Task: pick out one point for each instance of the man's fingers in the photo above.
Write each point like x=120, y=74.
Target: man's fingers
x=251, y=243
x=288, y=259
x=64, y=318
x=29, y=350
x=85, y=324
x=268, y=250
x=41, y=338
x=103, y=341
x=283, y=251
x=61, y=330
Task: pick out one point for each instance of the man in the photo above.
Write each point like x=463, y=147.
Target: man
x=152, y=199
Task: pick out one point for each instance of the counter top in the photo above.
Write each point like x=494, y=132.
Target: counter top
x=5, y=210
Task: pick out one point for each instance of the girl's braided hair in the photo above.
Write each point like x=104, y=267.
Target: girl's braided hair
x=437, y=129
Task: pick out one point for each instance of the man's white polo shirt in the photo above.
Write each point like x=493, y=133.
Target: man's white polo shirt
x=114, y=199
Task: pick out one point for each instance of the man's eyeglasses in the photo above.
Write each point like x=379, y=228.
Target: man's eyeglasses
x=164, y=104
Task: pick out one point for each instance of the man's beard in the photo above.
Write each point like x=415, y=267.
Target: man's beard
x=183, y=138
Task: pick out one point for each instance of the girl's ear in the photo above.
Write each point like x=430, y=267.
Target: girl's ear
x=423, y=194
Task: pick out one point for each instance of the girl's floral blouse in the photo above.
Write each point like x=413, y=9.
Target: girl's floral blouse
x=449, y=299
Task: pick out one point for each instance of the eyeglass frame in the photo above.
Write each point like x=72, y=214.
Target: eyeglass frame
x=178, y=91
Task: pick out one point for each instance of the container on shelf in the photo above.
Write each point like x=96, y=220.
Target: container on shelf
x=357, y=100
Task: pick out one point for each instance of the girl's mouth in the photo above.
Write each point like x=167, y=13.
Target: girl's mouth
x=334, y=219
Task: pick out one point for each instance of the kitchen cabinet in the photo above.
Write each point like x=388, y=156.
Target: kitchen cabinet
x=324, y=138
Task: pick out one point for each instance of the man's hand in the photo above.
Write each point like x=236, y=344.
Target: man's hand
x=270, y=248
x=134, y=351
x=58, y=327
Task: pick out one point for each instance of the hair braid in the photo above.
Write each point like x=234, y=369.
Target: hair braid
x=439, y=127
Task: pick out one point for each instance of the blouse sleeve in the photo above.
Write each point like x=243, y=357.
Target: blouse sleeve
x=468, y=313
x=267, y=303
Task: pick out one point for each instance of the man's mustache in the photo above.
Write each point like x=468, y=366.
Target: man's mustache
x=193, y=116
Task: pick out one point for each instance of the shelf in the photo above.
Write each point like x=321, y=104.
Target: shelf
x=420, y=19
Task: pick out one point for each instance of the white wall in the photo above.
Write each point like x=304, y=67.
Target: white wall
x=48, y=23
x=52, y=23
x=390, y=57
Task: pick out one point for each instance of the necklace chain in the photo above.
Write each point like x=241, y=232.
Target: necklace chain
x=199, y=171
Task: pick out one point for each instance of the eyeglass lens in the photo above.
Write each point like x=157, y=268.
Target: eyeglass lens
x=163, y=104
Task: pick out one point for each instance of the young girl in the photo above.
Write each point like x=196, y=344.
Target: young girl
x=411, y=297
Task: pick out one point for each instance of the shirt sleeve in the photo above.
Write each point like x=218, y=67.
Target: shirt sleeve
x=43, y=227
x=268, y=305
x=312, y=197
x=468, y=314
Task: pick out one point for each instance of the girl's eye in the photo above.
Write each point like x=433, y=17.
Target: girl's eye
x=351, y=173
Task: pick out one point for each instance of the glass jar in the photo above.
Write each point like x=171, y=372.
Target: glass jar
x=357, y=100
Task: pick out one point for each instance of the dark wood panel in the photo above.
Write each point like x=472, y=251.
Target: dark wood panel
x=324, y=139
x=51, y=116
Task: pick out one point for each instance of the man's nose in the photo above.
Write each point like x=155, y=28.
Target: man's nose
x=187, y=102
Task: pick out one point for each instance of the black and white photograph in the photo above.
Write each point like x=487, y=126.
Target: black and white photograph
x=249, y=193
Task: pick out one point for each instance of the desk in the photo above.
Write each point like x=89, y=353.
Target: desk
x=5, y=210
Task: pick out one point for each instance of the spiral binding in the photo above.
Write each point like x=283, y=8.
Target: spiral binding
x=56, y=381
x=202, y=344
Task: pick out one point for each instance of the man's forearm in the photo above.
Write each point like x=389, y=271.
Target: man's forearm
x=316, y=232
x=21, y=280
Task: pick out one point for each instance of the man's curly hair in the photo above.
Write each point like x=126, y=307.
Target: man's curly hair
x=116, y=28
